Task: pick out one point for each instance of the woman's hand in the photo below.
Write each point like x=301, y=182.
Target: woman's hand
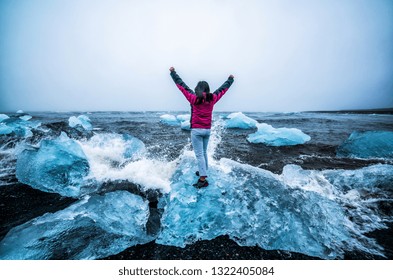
x=171, y=69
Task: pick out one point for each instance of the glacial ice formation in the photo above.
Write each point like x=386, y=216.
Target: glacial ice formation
x=20, y=126
x=184, y=117
x=135, y=148
x=58, y=165
x=185, y=125
x=3, y=117
x=5, y=129
x=370, y=178
x=95, y=227
x=317, y=213
x=25, y=117
x=169, y=120
x=256, y=207
x=239, y=120
x=369, y=144
x=360, y=192
x=271, y=136
x=180, y=120
x=184, y=121
x=80, y=121
x=77, y=167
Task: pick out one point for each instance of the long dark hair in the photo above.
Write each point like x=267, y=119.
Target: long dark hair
x=203, y=87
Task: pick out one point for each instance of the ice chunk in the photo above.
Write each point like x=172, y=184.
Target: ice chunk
x=20, y=112
x=239, y=120
x=169, y=120
x=361, y=192
x=4, y=129
x=185, y=125
x=256, y=207
x=310, y=180
x=82, y=121
x=19, y=126
x=3, y=117
x=371, y=178
x=25, y=117
x=369, y=144
x=184, y=121
x=135, y=148
x=271, y=136
x=56, y=166
x=182, y=118
x=92, y=228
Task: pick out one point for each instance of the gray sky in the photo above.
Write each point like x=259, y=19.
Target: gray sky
x=114, y=55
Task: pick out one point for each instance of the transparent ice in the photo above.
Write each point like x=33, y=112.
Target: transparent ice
x=80, y=121
x=369, y=144
x=185, y=125
x=184, y=117
x=57, y=165
x=26, y=117
x=239, y=120
x=317, y=213
x=184, y=121
x=20, y=126
x=300, y=211
x=271, y=136
x=94, y=227
x=5, y=129
x=3, y=117
x=169, y=119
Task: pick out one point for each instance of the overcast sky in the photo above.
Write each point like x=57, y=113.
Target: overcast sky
x=286, y=55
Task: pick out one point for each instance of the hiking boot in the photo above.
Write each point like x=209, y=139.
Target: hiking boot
x=201, y=184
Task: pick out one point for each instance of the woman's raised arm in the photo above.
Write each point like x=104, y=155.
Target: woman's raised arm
x=188, y=93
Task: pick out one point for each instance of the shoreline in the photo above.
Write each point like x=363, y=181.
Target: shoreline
x=19, y=199
x=20, y=203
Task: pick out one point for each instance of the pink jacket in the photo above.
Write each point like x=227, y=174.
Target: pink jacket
x=201, y=114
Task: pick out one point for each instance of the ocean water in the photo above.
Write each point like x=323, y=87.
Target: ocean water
x=303, y=198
